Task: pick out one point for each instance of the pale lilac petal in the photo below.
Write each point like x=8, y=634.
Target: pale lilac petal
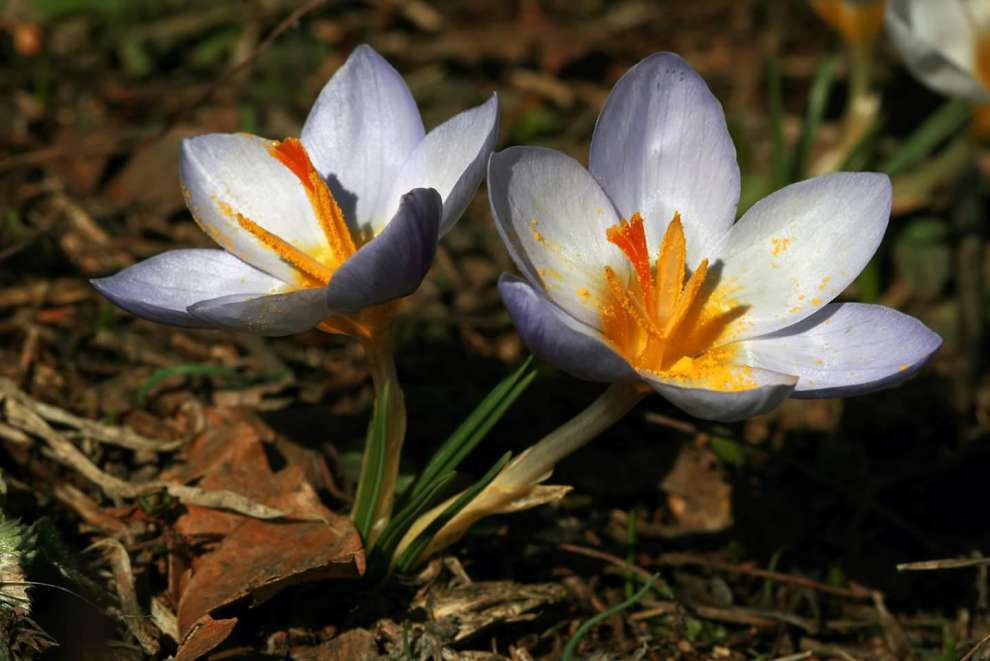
x=726, y=406
x=273, y=315
x=224, y=175
x=552, y=216
x=797, y=249
x=938, y=43
x=558, y=339
x=162, y=287
x=451, y=159
x=395, y=262
x=661, y=146
x=363, y=127
x=846, y=349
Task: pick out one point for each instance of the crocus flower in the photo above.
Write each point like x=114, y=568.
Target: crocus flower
x=633, y=270
x=945, y=44
x=321, y=230
x=858, y=21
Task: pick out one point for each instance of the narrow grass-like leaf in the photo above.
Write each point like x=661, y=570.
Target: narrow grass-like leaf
x=410, y=556
x=604, y=615
x=381, y=555
x=373, y=468
x=818, y=98
x=780, y=168
x=475, y=427
x=941, y=124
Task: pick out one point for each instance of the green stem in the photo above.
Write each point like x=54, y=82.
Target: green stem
x=379, y=350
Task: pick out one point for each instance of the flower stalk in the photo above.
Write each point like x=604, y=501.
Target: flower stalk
x=388, y=393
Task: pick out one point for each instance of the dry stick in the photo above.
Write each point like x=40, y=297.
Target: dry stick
x=855, y=592
x=143, y=630
x=976, y=648
x=284, y=25
x=967, y=217
x=63, y=451
x=948, y=563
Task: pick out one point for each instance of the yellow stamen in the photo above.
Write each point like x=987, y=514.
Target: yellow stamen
x=291, y=153
x=312, y=270
x=687, y=298
x=858, y=22
x=630, y=237
x=981, y=57
x=670, y=270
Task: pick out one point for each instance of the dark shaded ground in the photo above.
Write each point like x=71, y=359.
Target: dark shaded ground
x=96, y=96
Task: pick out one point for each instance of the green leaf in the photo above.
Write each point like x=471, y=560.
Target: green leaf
x=373, y=470
x=381, y=554
x=410, y=556
x=475, y=427
x=818, y=97
x=941, y=124
x=572, y=644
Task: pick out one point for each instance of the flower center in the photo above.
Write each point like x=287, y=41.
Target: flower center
x=313, y=272
x=981, y=57
x=667, y=323
x=859, y=21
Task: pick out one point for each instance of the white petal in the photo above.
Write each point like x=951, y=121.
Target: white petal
x=726, y=406
x=797, y=249
x=938, y=43
x=846, y=349
x=162, y=287
x=228, y=174
x=451, y=159
x=661, y=145
x=553, y=216
x=363, y=127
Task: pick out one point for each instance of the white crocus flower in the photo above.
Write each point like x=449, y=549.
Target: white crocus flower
x=634, y=270
x=945, y=44
x=321, y=230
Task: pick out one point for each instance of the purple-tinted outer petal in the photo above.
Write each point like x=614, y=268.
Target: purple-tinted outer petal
x=557, y=338
x=727, y=406
x=846, y=349
x=162, y=287
x=273, y=315
x=394, y=263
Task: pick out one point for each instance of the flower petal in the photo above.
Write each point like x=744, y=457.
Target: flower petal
x=797, y=249
x=451, y=159
x=938, y=43
x=228, y=174
x=558, y=339
x=162, y=287
x=273, y=315
x=552, y=216
x=726, y=406
x=362, y=128
x=394, y=263
x=846, y=349
x=661, y=145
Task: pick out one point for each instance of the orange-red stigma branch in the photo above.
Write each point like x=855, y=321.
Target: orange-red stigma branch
x=630, y=237
x=291, y=153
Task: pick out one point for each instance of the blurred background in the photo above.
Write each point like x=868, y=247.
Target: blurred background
x=746, y=523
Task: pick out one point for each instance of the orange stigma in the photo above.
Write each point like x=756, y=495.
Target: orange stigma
x=670, y=324
x=291, y=153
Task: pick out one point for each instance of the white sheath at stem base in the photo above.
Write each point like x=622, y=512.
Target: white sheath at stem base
x=517, y=486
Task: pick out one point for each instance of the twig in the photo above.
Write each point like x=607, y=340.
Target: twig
x=284, y=25
x=948, y=563
x=142, y=630
x=854, y=592
x=607, y=557
x=976, y=648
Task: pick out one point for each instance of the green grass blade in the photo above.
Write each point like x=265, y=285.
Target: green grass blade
x=410, y=556
x=818, y=97
x=604, y=615
x=941, y=124
x=381, y=555
x=373, y=470
x=475, y=427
